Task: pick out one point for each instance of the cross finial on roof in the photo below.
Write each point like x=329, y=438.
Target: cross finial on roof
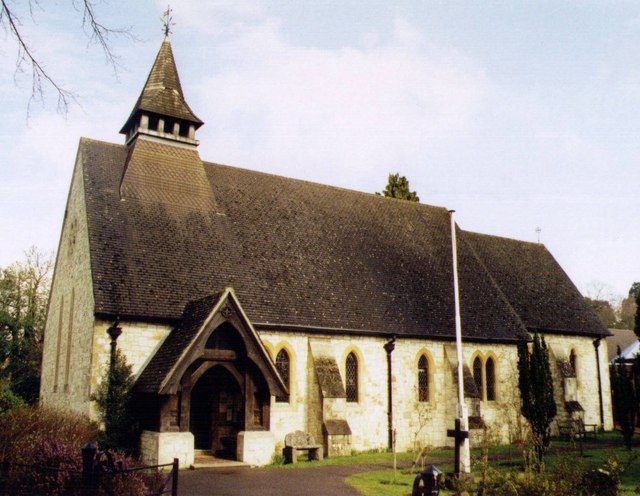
x=167, y=20
x=538, y=230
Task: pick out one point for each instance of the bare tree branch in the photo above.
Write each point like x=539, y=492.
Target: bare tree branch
x=41, y=78
x=98, y=33
x=39, y=75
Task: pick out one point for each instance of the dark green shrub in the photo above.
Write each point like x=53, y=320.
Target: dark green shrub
x=536, y=392
x=115, y=405
x=625, y=404
x=8, y=399
x=568, y=478
x=599, y=482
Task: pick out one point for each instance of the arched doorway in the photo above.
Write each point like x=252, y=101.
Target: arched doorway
x=217, y=412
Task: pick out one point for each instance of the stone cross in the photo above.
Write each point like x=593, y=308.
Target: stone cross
x=459, y=436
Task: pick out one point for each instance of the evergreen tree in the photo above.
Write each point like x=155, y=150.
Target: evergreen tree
x=24, y=291
x=636, y=327
x=398, y=187
x=536, y=391
x=634, y=290
x=625, y=396
x=114, y=399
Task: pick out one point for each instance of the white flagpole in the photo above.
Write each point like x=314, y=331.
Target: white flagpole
x=465, y=458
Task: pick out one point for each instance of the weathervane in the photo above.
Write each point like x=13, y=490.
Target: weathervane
x=538, y=230
x=167, y=20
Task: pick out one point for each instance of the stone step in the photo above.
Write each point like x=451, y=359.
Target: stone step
x=202, y=460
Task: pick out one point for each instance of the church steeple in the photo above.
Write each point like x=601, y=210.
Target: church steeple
x=161, y=110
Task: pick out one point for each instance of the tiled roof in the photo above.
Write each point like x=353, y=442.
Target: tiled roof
x=158, y=173
x=190, y=338
x=162, y=93
x=536, y=286
x=155, y=372
x=311, y=256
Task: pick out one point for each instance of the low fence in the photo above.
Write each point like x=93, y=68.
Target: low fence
x=101, y=475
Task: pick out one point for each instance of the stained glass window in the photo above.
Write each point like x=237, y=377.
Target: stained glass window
x=490, y=374
x=283, y=367
x=351, y=372
x=572, y=360
x=477, y=374
x=423, y=379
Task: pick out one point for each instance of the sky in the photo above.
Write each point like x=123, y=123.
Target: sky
x=523, y=116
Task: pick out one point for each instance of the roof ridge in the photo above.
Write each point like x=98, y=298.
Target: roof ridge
x=322, y=185
x=87, y=140
x=505, y=238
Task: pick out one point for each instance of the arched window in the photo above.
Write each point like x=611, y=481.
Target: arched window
x=477, y=375
x=423, y=379
x=490, y=378
x=351, y=373
x=283, y=366
x=572, y=361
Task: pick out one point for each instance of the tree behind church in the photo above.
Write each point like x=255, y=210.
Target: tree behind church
x=604, y=310
x=627, y=308
x=636, y=288
x=24, y=291
x=398, y=187
x=536, y=392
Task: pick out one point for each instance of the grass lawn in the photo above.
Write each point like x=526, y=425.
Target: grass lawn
x=382, y=482
x=384, y=458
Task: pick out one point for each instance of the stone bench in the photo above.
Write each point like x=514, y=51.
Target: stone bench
x=300, y=441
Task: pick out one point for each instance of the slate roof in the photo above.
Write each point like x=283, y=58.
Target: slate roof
x=307, y=255
x=155, y=372
x=162, y=93
x=538, y=289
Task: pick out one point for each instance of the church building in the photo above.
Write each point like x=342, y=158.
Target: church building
x=252, y=305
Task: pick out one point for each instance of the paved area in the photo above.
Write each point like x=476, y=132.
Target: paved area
x=326, y=480
x=245, y=481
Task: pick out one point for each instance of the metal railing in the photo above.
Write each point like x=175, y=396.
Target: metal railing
x=99, y=471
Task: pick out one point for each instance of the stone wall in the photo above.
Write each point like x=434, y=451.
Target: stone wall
x=586, y=378
x=68, y=333
x=255, y=447
x=138, y=342
x=158, y=448
x=417, y=424
x=420, y=424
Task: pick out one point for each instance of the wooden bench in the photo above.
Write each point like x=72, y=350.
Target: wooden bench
x=588, y=430
x=577, y=429
x=300, y=441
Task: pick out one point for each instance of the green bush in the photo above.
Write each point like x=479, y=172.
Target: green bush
x=8, y=399
x=114, y=400
x=568, y=478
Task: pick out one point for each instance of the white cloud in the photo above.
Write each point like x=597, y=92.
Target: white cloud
x=509, y=149
x=344, y=115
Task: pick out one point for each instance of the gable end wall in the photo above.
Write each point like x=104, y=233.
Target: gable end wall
x=69, y=324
